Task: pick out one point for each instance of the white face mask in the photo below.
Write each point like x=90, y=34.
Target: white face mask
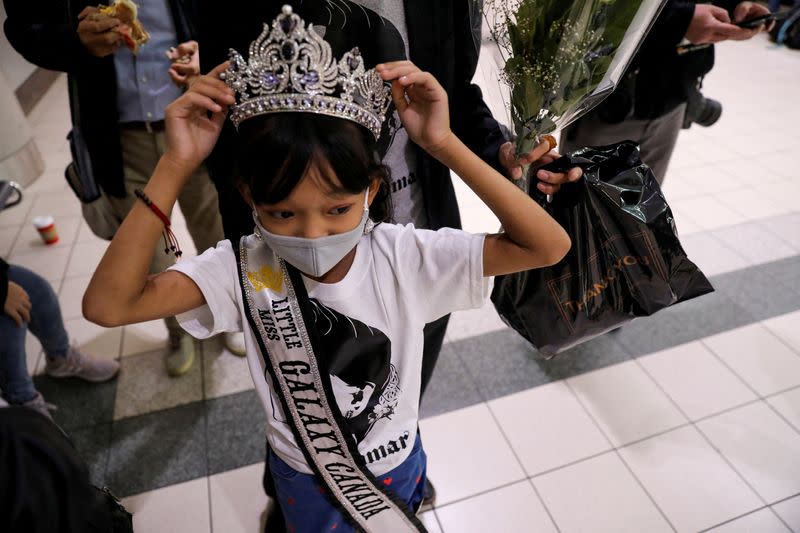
x=315, y=256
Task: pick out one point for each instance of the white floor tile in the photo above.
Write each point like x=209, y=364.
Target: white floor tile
x=18, y=215
x=85, y=235
x=789, y=511
x=144, y=386
x=223, y=372
x=711, y=255
x=763, y=521
x=514, y=508
x=713, y=179
x=761, y=446
x=144, y=337
x=50, y=263
x=465, y=324
x=758, y=357
x=30, y=241
x=754, y=243
x=626, y=403
x=7, y=238
x=787, y=327
x=548, y=427
x=786, y=228
x=93, y=339
x=696, y=380
x=750, y=203
x=56, y=205
x=689, y=481
x=430, y=522
x=238, y=502
x=599, y=494
x=709, y=213
x=71, y=296
x=85, y=258
x=181, y=508
x=788, y=405
x=456, y=443
x=782, y=193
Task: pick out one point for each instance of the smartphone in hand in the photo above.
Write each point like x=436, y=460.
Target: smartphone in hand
x=757, y=21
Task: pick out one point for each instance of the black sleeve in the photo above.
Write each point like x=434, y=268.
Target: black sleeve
x=471, y=118
x=3, y=282
x=43, y=33
x=667, y=31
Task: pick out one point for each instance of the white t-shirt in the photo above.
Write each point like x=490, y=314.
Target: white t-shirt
x=401, y=279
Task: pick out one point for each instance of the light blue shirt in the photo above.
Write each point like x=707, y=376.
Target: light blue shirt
x=144, y=87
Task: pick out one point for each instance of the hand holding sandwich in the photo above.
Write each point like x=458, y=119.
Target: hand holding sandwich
x=103, y=28
x=98, y=35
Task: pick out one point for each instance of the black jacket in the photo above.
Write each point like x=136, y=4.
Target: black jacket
x=45, y=33
x=440, y=41
x=658, y=79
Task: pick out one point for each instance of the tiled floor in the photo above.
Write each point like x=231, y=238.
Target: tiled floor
x=687, y=421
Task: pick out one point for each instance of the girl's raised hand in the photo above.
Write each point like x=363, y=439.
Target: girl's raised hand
x=195, y=120
x=421, y=103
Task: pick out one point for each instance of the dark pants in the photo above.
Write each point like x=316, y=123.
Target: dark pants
x=434, y=339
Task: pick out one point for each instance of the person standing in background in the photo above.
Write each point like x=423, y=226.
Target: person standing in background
x=118, y=101
x=650, y=104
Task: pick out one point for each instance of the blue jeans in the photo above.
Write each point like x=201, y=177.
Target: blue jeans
x=307, y=509
x=46, y=324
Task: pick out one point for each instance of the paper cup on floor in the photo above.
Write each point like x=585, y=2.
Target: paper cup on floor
x=47, y=229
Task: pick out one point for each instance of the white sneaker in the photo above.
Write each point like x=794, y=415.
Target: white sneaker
x=78, y=364
x=234, y=342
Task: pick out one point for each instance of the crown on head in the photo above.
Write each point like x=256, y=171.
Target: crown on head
x=292, y=69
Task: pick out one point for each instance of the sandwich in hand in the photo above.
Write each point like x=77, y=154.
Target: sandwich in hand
x=132, y=31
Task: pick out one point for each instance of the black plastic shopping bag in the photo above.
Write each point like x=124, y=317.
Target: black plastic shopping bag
x=626, y=260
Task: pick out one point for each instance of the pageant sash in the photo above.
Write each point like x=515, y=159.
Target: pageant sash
x=274, y=298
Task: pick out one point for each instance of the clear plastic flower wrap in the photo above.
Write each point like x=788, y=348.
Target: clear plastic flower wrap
x=554, y=60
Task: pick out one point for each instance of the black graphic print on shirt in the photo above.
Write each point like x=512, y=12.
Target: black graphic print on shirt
x=358, y=360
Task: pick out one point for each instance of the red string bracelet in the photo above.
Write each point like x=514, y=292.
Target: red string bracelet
x=170, y=241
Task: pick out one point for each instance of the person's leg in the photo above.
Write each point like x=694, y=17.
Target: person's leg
x=15, y=381
x=46, y=321
x=47, y=325
x=434, y=339
x=659, y=140
x=276, y=523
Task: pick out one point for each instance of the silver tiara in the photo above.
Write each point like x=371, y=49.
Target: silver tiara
x=292, y=69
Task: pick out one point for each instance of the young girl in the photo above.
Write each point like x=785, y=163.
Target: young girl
x=332, y=299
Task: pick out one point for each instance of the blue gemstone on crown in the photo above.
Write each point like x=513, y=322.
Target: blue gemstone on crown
x=270, y=79
x=288, y=24
x=291, y=68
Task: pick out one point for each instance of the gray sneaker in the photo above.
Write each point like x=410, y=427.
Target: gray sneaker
x=79, y=365
x=40, y=406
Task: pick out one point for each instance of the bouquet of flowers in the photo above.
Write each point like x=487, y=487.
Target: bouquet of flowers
x=557, y=59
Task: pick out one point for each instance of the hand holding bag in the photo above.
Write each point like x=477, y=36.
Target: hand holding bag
x=625, y=262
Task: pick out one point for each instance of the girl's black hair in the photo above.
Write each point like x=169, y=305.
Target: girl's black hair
x=275, y=151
